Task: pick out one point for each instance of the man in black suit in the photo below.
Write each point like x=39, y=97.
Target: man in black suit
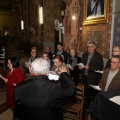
x=60, y=51
x=48, y=50
x=39, y=98
x=92, y=61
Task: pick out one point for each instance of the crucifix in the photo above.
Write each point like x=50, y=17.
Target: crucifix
x=75, y=8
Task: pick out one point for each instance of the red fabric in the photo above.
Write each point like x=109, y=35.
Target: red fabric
x=15, y=77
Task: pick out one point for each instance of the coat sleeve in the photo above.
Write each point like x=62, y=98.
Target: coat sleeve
x=103, y=80
x=67, y=84
x=15, y=78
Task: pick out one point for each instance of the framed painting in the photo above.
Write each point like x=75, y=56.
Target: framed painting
x=5, y=5
x=95, y=11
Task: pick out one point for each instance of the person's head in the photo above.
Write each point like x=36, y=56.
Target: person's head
x=45, y=56
x=47, y=49
x=91, y=47
x=13, y=62
x=73, y=52
x=33, y=52
x=115, y=62
x=59, y=46
x=116, y=50
x=58, y=60
x=39, y=66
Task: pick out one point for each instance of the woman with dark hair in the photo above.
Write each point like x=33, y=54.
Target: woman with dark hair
x=14, y=77
x=58, y=63
x=72, y=62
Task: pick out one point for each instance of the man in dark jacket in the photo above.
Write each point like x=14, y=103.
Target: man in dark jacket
x=48, y=50
x=60, y=51
x=92, y=61
x=39, y=98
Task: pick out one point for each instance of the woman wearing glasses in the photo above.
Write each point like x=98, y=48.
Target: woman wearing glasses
x=27, y=61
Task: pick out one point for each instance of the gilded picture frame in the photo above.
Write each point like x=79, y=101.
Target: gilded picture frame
x=95, y=11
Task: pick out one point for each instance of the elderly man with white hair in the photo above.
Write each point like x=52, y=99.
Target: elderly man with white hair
x=39, y=98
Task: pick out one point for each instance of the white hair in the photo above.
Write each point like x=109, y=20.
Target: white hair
x=40, y=66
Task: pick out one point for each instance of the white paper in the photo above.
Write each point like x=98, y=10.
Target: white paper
x=14, y=84
x=69, y=66
x=1, y=76
x=95, y=87
x=53, y=77
x=27, y=64
x=52, y=72
x=81, y=65
x=98, y=71
x=115, y=99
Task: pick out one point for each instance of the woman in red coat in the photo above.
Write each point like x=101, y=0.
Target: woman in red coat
x=14, y=77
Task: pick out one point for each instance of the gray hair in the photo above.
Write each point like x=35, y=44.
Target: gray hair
x=40, y=66
x=91, y=42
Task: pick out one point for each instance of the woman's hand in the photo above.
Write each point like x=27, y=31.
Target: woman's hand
x=72, y=68
x=5, y=80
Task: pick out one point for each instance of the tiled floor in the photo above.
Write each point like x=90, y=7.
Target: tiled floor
x=7, y=115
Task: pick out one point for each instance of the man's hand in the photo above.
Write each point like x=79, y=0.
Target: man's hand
x=62, y=69
x=86, y=67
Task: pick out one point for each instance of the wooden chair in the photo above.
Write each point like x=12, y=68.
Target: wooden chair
x=72, y=110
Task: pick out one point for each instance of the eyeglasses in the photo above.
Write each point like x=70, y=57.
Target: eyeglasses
x=33, y=52
x=44, y=56
x=90, y=46
x=115, y=51
x=114, y=62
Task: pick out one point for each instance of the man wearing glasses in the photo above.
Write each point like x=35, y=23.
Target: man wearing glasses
x=115, y=51
x=111, y=77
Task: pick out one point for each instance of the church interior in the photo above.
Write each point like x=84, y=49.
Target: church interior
x=40, y=23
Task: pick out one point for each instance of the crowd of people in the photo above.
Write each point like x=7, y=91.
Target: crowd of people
x=40, y=98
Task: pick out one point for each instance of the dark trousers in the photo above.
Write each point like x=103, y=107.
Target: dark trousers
x=89, y=93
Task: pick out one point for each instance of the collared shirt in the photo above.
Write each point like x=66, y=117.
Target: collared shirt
x=59, y=52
